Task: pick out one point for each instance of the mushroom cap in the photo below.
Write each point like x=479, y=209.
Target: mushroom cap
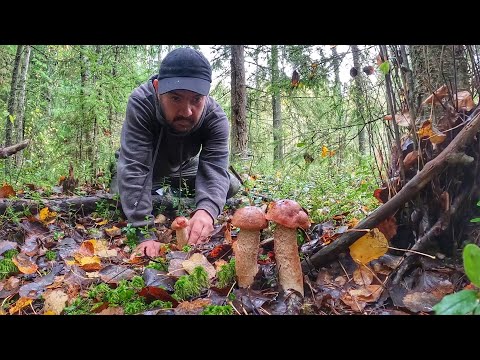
x=288, y=213
x=180, y=222
x=249, y=218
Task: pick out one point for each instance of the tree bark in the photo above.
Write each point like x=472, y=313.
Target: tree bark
x=408, y=192
x=276, y=108
x=22, y=84
x=239, y=137
x=358, y=101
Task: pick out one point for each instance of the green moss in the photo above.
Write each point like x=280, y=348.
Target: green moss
x=226, y=274
x=217, y=310
x=7, y=267
x=188, y=286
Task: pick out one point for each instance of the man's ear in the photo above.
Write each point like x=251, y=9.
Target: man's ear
x=155, y=84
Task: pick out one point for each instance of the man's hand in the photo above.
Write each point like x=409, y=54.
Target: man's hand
x=150, y=248
x=200, y=226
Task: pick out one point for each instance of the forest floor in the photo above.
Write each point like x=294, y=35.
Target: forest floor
x=57, y=262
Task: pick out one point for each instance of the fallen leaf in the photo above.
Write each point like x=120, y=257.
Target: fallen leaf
x=113, y=231
x=369, y=247
x=46, y=216
x=198, y=259
x=24, y=263
x=362, y=276
x=19, y=305
x=7, y=191
x=465, y=100
x=55, y=301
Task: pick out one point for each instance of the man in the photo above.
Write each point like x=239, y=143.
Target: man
x=174, y=131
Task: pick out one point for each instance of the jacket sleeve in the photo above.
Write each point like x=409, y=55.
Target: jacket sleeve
x=134, y=162
x=212, y=181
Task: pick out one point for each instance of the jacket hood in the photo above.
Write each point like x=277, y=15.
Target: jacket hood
x=161, y=119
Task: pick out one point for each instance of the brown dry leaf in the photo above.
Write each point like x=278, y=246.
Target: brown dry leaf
x=87, y=248
x=369, y=293
x=24, y=263
x=369, y=247
x=192, y=307
x=55, y=301
x=437, y=96
x=362, y=276
x=388, y=227
x=113, y=231
x=118, y=310
x=198, y=259
x=353, y=302
x=465, y=100
x=46, y=216
x=228, y=234
x=101, y=223
x=402, y=119
x=7, y=191
x=19, y=305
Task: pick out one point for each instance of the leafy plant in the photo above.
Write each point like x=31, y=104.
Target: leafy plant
x=159, y=264
x=51, y=255
x=465, y=301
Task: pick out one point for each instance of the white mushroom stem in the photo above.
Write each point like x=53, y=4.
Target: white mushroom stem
x=288, y=260
x=246, y=252
x=180, y=225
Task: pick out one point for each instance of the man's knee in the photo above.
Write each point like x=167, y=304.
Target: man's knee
x=234, y=186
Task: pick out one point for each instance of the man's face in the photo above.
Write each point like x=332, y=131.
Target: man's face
x=182, y=108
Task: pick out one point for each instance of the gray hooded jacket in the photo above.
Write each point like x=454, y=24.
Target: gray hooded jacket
x=144, y=125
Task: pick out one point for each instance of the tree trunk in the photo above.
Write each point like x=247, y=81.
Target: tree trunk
x=239, y=124
x=276, y=109
x=358, y=101
x=12, y=102
x=22, y=83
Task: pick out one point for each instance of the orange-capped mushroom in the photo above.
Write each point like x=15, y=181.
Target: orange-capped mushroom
x=250, y=220
x=288, y=215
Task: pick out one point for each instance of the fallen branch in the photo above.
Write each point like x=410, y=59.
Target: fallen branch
x=10, y=150
x=88, y=204
x=408, y=192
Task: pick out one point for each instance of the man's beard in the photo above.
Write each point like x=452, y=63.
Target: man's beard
x=183, y=124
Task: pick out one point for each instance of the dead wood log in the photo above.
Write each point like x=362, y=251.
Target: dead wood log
x=86, y=204
x=10, y=150
x=409, y=191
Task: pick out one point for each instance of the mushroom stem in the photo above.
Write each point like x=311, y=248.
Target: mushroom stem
x=288, y=260
x=246, y=252
x=180, y=225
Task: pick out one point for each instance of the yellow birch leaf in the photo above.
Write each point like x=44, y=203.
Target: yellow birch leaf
x=24, y=264
x=369, y=247
x=324, y=151
x=19, y=305
x=46, y=216
x=103, y=222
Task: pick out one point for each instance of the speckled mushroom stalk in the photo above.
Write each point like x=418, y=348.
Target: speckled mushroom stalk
x=180, y=226
x=288, y=215
x=250, y=220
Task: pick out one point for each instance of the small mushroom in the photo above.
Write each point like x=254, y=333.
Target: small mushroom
x=180, y=226
x=288, y=215
x=250, y=220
